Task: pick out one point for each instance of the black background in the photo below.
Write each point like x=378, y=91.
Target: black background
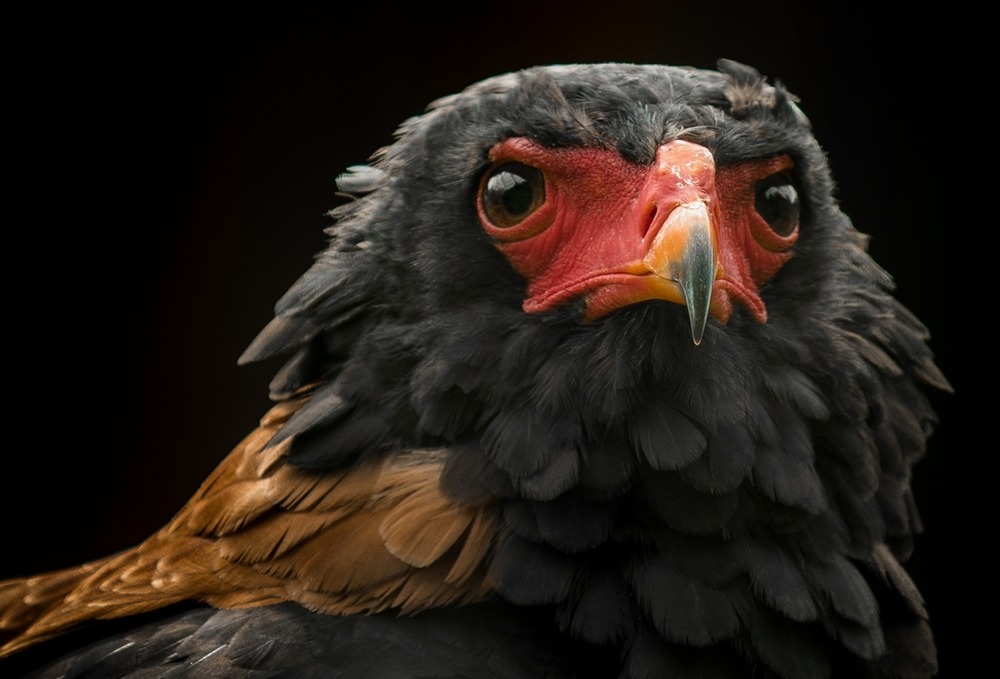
x=168, y=177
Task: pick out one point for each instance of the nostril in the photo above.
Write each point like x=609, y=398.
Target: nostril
x=647, y=218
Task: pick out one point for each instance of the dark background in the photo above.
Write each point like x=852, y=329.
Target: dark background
x=169, y=175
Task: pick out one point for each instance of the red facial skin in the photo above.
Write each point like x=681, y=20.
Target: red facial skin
x=614, y=233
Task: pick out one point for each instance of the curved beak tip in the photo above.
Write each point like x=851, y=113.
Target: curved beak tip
x=694, y=268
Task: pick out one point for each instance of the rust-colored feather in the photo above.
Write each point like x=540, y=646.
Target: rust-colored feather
x=423, y=525
x=373, y=537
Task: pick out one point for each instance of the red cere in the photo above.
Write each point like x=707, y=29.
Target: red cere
x=596, y=236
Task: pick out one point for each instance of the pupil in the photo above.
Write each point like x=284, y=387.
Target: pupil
x=515, y=191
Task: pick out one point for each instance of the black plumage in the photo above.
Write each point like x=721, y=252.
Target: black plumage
x=632, y=496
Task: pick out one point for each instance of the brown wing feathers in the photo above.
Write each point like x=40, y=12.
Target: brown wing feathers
x=373, y=537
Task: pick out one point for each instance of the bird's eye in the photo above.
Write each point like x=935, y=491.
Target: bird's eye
x=511, y=192
x=777, y=201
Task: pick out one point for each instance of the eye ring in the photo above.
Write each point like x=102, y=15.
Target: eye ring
x=776, y=200
x=511, y=192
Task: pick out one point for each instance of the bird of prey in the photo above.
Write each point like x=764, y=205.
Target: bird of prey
x=593, y=379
